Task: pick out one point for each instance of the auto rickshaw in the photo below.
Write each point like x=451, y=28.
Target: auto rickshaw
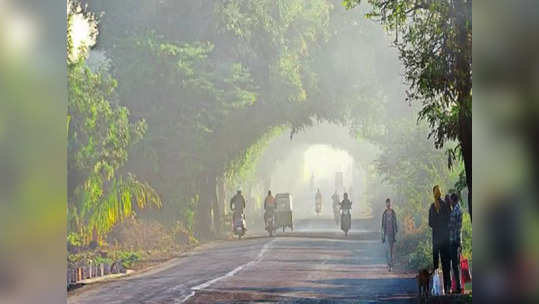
x=283, y=211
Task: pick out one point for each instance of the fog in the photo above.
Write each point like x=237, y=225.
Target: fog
x=310, y=161
x=300, y=100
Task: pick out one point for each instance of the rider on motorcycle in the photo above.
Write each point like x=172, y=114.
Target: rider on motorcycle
x=318, y=200
x=346, y=204
x=269, y=206
x=237, y=204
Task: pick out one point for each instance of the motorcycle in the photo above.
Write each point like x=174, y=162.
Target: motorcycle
x=270, y=222
x=346, y=221
x=318, y=207
x=238, y=223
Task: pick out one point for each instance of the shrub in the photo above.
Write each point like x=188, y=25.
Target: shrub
x=415, y=249
x=136, y=234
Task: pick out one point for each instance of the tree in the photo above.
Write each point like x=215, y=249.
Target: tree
x=99, y=135
x=434, y=39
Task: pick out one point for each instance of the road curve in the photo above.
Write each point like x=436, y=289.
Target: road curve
x=307, y=266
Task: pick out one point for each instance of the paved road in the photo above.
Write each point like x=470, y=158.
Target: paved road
x=315, y=264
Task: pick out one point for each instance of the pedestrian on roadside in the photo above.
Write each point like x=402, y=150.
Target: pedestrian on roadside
x=439, y=222
x=389, y=230
x=455, y=245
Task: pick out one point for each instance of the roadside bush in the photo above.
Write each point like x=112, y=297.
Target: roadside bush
x=182, y=235
x=127, y=258
x=136, y=234
x=415, y=249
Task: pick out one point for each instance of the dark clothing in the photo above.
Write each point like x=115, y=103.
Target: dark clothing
x=454, y=258
x=389, y=225
x=237, y=202
x=346, y=204
x=440, y=251
x=439, y=222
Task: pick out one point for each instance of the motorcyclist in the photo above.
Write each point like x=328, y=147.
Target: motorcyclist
x=269, y=206
x=346, y=203
x=318, y=199
x=237, y=205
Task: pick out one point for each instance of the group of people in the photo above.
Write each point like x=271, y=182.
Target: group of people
x=445, y=219
x=237, y=204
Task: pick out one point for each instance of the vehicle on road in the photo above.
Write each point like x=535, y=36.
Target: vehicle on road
x=283, y=212
x=346, y=216
x=346, y=221
x=318, y=202
x=270, y=222
x=238, y=223
x=237, y=205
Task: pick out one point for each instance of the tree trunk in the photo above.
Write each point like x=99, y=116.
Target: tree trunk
x=222, y=203
x=206, y=204
x=464, y=87
x=465, y=140
x=218, y=211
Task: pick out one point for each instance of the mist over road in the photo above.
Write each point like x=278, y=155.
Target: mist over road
x=313, y=264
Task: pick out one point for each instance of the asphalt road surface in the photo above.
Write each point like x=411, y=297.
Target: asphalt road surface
x=313, y=264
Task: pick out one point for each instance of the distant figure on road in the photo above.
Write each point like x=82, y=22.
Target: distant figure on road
x=455, y=249
x=269, y=206
x=318, y=201
x=439, y=222
x=237, y=203
x=389, y=230
x=346, y=202
x=346, y=216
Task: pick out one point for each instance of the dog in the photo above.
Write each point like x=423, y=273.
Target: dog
x=423, y=282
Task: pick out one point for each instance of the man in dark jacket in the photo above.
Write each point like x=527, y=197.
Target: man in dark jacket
x=439, y=222
x=389, y=230
x=237, y=203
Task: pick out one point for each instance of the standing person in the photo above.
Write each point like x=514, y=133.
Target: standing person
x=439, y=222
x=389, y=230
x=455, y=247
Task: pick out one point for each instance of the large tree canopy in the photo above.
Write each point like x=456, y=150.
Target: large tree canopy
x=434, y=38
x=203, y=87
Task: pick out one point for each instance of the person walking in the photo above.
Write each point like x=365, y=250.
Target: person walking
x=455, y=247
x=439, y=222
x=389, y=230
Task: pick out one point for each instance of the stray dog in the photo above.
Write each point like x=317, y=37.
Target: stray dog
x=423, y=282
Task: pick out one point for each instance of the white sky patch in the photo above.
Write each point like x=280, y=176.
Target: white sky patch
x=324, y=161
x=83, y=33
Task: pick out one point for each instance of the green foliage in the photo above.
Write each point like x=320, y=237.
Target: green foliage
x=435, y=47
x=74, y=239
x=99, y=135
x=411, y=166
x=127, y=258
x=416, y=249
